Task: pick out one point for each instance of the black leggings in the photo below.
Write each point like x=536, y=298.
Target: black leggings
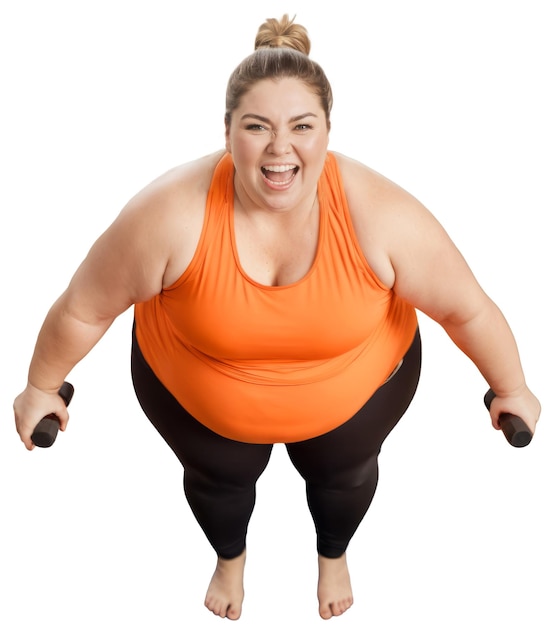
x=340, y=468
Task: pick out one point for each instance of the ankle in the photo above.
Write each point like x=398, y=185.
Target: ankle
x=232, y=563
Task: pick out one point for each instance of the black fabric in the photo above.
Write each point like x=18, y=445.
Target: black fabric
x=340, y=467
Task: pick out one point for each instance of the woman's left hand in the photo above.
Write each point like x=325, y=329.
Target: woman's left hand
x=523, y=403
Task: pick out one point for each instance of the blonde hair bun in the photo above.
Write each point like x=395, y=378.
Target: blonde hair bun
x=282, y=33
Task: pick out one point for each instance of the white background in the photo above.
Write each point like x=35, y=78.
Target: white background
x=452, y=100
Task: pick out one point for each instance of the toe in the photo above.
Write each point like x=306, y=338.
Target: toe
x=233, y=613
x=326, y=611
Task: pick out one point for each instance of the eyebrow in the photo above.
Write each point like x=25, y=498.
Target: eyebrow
x=261, y=118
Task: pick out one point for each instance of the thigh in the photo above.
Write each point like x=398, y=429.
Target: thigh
x=198, y=448
x=355, y=445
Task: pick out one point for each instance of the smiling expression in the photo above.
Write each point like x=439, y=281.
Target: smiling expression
x=278, y=138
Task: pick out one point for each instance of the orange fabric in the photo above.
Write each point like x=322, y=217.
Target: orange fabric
x=264, y=364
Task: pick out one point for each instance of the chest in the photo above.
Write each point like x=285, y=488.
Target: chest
x=285, y=302
x=275, y=252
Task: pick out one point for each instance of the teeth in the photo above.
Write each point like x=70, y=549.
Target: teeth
x=279, y=168
x=275, y=182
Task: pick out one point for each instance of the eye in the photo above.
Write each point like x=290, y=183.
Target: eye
x=257, y=128
x=303, y=127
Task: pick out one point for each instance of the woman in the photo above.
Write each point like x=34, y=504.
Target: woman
x=275, y=287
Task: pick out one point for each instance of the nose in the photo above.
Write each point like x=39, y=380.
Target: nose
x=279, y=143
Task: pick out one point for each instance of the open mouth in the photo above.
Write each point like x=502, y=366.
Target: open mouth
x=279, y=174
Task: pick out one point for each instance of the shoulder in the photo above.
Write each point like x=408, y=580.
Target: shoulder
x=404, y=243
x=149, y=244
x=181, y=188
x=365, y=187
x=160, y=226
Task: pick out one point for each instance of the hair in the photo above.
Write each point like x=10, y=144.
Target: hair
x=281, y=50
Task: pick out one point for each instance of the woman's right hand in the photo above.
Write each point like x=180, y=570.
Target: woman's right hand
x=31, y=406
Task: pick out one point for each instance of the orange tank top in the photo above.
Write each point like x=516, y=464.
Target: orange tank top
x=264, y=364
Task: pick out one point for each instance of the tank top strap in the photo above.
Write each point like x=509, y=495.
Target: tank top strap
x=219, y=204
x=221, y=192
x=337, y=215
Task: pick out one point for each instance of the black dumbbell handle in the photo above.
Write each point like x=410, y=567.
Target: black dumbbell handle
x=514, y=428
x=46, y=430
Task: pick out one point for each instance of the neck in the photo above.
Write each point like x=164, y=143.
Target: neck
x=286, y=215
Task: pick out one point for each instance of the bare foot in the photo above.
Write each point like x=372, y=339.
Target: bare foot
x=225, y=592
x=334, y=586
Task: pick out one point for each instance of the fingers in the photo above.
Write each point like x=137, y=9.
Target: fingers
x=495, y=422
x=29, y=409
x=25, y=432
x=27, y=442
x=63, y=418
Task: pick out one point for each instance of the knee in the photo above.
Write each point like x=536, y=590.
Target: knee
x=350, y=478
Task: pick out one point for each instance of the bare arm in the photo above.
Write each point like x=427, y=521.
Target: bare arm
x=104, y=286
x=431, y=273
x=147, y=247
x=412, y=254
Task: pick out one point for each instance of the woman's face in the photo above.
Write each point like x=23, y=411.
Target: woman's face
x=278, y=138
